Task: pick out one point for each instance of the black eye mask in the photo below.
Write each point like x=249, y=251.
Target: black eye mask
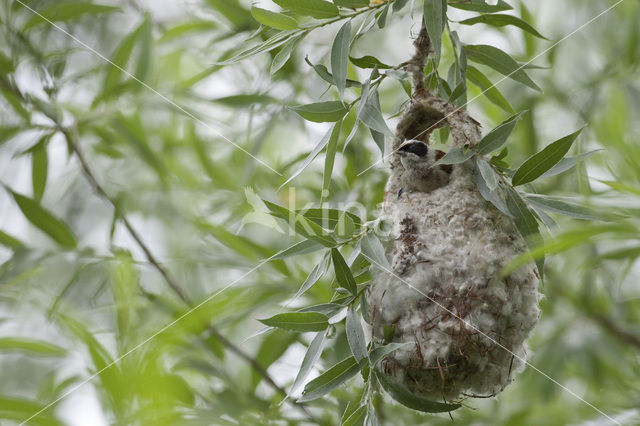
x=418, y=148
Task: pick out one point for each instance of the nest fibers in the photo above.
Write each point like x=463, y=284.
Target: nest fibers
x=443, y=297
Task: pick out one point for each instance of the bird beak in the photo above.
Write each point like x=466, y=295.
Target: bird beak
x=401, y=153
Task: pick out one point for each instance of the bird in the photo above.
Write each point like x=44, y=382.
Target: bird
x=420, y=174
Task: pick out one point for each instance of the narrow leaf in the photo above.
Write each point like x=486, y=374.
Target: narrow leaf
x=373, y=250
x=39, y=168
x=310, y=358
x=544, y=160
x=314, y=276
x=499, y=61
x=355, y=334
x=369, y=62
x=494, y=197
x=273, y=19
x=567, y=163
x=331, y=379
x=298, y=321
x=45, y=221
x=354, y=417
x=303, y=247
x=329, y=111
x=301, y=224
x=409, y=400
x=32, y=346
x=312, y=155
x=488, y=174
x=10, y=241
x=315, y=8
x=343, y=273
x=480, y=6
x=500, y=20
x=496, y=138
x=340, y=57
x=435, y=18
x=330, y=156
x=382, y=351
x=371, y=115
x=559, y=206
x=488, y=89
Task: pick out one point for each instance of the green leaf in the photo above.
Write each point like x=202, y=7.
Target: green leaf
x=39, y=168
x=488, y=174
x=567, y=163
x=245, y=100
x=371, y=116
x=45, y=221
x=354, y=418
x=10, y=241
x=331, y=379
x=302, y=225
x=121, y=57
x=355, y=334
x=351, y=4
x=455, y=156
x=488, y=89
x=32, y=346
x=500, y=20
x=315, y=8
x=409, y=400
x=524, y=219
x=329, y=157
x=273, y=19
x=559, y=206
x=303, y=247
x=234, y=12
x=310, y=358
x=493, y=196
x=340, y=57
x=480, y=6
x=368, y=62
x=314, y=276
x=6, y=65
x=66, y=11
x=314, y=152
x=537, y=164
x=382, y=351
x=496, y=138
x=343, y=273
x=373, y=250
x=284, y=54
x=324, y=73
x=298, y=321
x=435, y=18
x=329, y=218
x=320, y=112
x=499, y=61
x=191, y=26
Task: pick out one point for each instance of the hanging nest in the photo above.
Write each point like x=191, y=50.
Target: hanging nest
x=464, y=327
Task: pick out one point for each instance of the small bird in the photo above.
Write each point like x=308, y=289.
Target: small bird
x=419, y=173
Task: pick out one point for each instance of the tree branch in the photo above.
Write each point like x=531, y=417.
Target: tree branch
x=72, y=137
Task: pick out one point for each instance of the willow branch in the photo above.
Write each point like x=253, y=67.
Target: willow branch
x=71, y=135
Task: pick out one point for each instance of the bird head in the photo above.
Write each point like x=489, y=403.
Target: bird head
x=412, y=152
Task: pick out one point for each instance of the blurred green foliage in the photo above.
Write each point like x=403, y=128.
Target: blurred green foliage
x=137, y=145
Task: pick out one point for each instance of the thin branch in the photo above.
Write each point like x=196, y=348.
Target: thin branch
x=624, y=335
x=71, y=134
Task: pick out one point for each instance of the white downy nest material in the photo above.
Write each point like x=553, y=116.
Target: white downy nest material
x=444, y=298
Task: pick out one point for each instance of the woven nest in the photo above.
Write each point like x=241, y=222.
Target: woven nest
x=465, y=328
